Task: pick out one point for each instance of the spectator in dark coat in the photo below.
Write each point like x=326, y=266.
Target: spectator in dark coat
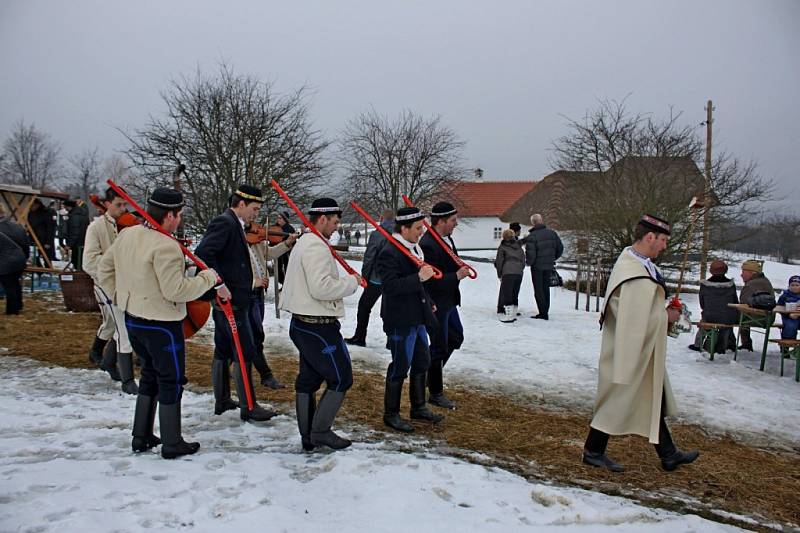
x=43, y=223
x=282, y=220
x=716, y=293
x=77, y=223
x=754, y=281
x=14, y=252
x=358, y=237
x=510, y=264
x=543, y=247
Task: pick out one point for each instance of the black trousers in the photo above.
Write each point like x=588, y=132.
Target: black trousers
x=323, y=357
x=509, y=291
x=224, y=347
x=597, y=440
x=541, y=290
x=13, y=289
x=256, y=318
x=410, y=351
x=448, y=336
x=160, y=347
x=366, y=302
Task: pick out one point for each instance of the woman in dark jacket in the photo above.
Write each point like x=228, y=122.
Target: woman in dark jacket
x=715, y=294
x=14, y=252
x=510, y=264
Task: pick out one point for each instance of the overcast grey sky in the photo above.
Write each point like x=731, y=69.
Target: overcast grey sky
x=500, y=74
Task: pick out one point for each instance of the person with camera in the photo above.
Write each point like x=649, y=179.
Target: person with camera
x=543, y=247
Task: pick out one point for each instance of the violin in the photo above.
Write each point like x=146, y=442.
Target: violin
x=256, y=233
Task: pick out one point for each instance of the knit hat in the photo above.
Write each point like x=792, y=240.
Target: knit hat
x=718, y=267
x=752, y=265
x=286, y=215
x=166, y=198
x=659, y=225
x=325, y=206
x=249, y=192
x=443, y=209
x=794, y=279
x=407, y=215
x=515, y=226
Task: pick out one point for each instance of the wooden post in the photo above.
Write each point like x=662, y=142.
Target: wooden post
x=706, y=193
x=588, y=282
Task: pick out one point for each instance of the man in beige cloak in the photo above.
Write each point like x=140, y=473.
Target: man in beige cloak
x=633, y=391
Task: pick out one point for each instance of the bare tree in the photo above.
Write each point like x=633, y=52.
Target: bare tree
x=384, y=158
x=30, y=157
x=634, y=164
x=228, y=129
x=84, y=177
x=784, y=233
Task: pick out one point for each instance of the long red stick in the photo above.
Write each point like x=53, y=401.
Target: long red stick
x=460, y=262
x=224, y=304
x=310, y=226
x=437, y=274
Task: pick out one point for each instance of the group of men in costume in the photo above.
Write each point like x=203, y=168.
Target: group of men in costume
x=142, y=282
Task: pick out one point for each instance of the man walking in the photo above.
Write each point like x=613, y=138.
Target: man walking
x=633, y=391
x=225, y=249
x=313, y=293
x=372, y=292
x=543, y=247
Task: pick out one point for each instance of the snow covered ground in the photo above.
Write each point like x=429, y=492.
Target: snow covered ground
x=66, y=465
x=555, y=361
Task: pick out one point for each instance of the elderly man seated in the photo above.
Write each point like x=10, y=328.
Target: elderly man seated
x=754, y=282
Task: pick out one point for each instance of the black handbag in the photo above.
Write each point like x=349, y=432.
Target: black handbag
x=762, y=300
x=555, y=279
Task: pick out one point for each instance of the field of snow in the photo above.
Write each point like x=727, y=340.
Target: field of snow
x=66, y=465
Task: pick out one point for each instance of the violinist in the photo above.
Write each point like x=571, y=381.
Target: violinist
x=100, y=234
x=258, y=238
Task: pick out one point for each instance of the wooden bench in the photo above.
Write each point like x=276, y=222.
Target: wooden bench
x=710, y=331
x=792, y=348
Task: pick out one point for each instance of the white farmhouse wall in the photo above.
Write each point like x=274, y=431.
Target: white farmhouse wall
x=477, y=233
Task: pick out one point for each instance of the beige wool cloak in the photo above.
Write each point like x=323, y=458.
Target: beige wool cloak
x=632, y=371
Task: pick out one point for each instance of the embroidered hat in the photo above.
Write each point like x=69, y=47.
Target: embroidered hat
x=249, y=192
x=443, y=209
x=718, y=267
x=166, y=198
x=408, y=214
x=325, y=206
x=659, y=225
x=753, y=265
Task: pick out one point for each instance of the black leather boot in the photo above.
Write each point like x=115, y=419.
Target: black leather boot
x=436, y=387
x=678, y=458
x=221, y=381
x=601, y=460
x=391, y=407
x=143, y=420
x=125, y=365
x=109, y=362
x=321, y=433
x=257, y=413
x=96, y=352
x=172, y=444
x=419, y=411
x=305, y=405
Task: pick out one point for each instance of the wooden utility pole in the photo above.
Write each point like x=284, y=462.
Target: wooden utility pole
x=706, y=193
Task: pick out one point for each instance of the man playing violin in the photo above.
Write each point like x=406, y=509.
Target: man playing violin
x=100, y=235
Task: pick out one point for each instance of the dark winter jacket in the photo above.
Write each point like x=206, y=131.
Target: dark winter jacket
x=543, y=247
x=43, y=224
x=77, y=223
x=716, y=293
x=788, y=296
x=224, y=248
x=444, y=292
x=758, y=283
x=404, y=300
x=14, y=247
x=510, y=258
x=375, y=244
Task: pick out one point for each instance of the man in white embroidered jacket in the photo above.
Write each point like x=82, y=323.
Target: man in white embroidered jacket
x=633, y=392
x=117, y=360
x=313, y=293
